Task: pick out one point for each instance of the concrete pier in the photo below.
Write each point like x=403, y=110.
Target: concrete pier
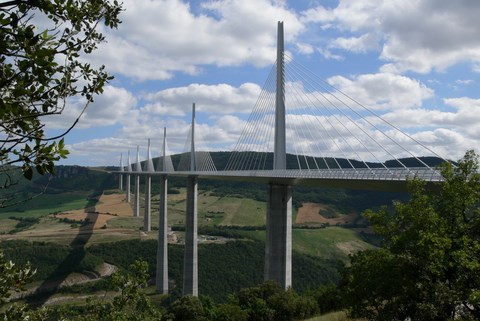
x=149, y=168
x=161, y=281
x=129, y=169
x=136, y=205
x=136, y=197
x=278, y=246
x=147, y=217
x=190, y=263
x=120, y=176
x=127, y=187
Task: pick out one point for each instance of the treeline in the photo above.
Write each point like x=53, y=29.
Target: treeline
x=264, y=302
x=50, y=259
x=223, y=268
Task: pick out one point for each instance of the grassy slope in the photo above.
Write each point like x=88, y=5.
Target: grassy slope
x=328, y=243
x=48, y=203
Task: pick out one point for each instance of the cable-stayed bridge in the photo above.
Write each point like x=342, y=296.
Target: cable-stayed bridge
x=301, y=131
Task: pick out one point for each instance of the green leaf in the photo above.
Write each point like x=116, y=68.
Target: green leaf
x=28, y=173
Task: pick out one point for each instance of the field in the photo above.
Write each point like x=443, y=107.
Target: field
x=76, y=219
x=49, y=203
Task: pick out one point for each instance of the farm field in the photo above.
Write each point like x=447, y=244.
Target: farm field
x=108, y=218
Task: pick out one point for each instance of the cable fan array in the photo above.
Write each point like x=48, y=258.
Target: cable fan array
x=325, y=129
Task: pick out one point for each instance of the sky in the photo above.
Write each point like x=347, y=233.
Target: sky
x=415, y=62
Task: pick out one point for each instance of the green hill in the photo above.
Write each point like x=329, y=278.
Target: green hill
x=234, y=210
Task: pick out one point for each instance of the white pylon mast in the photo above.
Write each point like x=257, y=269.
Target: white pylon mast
x=279, y=154
x=192, y=143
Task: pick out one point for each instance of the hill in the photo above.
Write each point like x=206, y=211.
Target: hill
x=231, y=215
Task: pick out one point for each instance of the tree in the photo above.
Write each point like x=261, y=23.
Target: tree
x=13, y=278
x=132, y=303
x=41, y=46
x=429, y=267
x=188, y=308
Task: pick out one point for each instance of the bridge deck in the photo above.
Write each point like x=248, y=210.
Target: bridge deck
x=386, y=179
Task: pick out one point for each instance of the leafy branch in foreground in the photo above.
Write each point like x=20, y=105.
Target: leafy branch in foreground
x=429, y=267
x=42, y=46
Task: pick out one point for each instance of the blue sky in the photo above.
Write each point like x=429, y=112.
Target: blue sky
x=415, y=62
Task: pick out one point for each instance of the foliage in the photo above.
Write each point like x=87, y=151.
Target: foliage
x=328, y=297
x=188, y=308
x=51, y=260
x=42, y=50
x=222, y=268
x=264, y=302
x=23, y=223
x=13, y=278
x=429, y=268
x=131, y=303
x=269, y=301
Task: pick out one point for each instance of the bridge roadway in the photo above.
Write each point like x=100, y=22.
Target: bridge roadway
x=381, y=179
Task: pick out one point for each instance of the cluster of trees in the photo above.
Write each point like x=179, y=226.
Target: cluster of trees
x=267, y=301
x=429, y=265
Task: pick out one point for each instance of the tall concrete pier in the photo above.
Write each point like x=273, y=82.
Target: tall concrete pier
x=278, y=246
x=147, y=216
x=120, y=176
x=136, y=204
x=161, y=280
x=190, y=263
x=129, y=170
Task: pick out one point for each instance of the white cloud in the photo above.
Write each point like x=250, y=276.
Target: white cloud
x=360, y=44
x=107, y=109
x=221, y=98
x=305, y=48
x=152, y=43
x=464, y=81
x=415, y=35
x=383, y=90
x=327, y=54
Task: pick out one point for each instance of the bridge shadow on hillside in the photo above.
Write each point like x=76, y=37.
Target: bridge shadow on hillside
x=77, y=253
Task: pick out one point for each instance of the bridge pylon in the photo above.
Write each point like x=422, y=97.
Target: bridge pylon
x=138, y=169
x=127, y=183
x=120, y=176
x=147, y=216
x=278, y=246
x=190, y=262
x=161, y=280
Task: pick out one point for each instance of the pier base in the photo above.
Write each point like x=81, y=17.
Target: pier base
x=190, y=263
x=278, y=246
x=147, y=216
x=136, y=205
x=161, y=281
x=128, y=188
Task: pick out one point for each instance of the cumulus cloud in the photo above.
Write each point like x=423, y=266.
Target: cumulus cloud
x=221, y=98
x=360, y=44
x=107, y=109
x=413, y=35
x=383, y=90
x=152, y=43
